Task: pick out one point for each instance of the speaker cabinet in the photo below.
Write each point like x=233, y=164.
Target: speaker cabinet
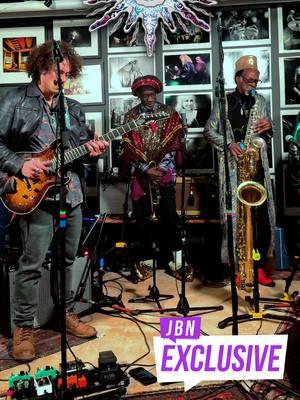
x=112, y=197
x=46, y=309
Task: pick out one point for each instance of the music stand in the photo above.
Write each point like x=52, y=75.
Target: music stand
x=101, y=300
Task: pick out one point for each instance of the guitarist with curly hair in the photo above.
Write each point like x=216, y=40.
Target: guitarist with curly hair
x=28, y=123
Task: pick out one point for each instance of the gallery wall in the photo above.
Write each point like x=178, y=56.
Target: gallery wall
x=188, y=64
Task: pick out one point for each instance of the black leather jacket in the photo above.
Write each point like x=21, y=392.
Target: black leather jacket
x=21, y=117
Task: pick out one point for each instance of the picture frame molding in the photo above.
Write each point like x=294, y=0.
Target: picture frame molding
x=87, y=51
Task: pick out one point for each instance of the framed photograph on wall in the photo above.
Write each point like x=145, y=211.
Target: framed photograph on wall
x=192, y=38
x=200, y=155
x=263, y=55
x=195, y=107
x=119, y=41
x=267, y=93
x=16, y=45
x=246, y=27
x=118, y=106
x=123, y=70
x=291, y=195
x=187, y=70
x=94, y=121
x=76, y=33
x=87, y=88
x=289, y=71
x=288, y=120
x=289, y=28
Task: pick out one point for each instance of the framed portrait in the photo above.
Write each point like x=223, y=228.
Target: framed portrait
x=130, y=42
x=246, y=27
x=288, y=120
x=194, y=107
x=94, y=122
x=289, y=71
x=16, y=45
x=289, y=28
x=263, y=55
x=186, y=71
x=122, y=71
x=291, y=194
x=199, y=155
x=87, y=88
x=76, y=33
x=118, y=106
x=267, y=94
x=192, y=38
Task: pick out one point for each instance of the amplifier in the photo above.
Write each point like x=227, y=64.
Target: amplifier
x=195, y=195
x=113, y=196
x=46, y=307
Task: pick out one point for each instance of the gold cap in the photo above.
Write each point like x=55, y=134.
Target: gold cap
x=246, y=62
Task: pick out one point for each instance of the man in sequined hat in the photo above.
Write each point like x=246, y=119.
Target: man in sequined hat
x=248, y=121
x=151, y=154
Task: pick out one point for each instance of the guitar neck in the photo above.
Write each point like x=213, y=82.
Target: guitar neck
x=80, y=151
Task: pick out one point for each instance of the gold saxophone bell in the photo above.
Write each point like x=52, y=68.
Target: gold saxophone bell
x=251, y=193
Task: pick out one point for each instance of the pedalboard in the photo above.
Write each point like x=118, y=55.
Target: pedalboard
x=106, y=382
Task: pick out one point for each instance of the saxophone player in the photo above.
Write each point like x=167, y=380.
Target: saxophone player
x=239, y=105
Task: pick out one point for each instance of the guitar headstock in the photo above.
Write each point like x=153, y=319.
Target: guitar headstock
x=144, y=117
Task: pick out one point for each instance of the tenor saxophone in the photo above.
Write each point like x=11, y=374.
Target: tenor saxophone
x=250, y=193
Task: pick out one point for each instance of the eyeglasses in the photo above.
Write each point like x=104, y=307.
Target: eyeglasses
x=251, y=81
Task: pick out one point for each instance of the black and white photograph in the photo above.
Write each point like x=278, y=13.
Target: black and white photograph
x=94, y=122
x=124, y=70
x=130, y=42
x=288, y=120
x=263, y=55
x=289, y=69
x=245, y=27
x=194, y=107
x=193, y=36
x=187, y=71
x=289, y=28
x=267, y=93
x=118, y=106
x=16, y=44
x=76, y=33
x=199, y=155
x=87, y=88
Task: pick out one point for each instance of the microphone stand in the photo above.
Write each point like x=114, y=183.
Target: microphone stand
x=63, y=137
x=220, y=93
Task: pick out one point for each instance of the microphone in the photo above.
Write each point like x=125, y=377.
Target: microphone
x=252, y=92
x=57, y=54
x=290, y=139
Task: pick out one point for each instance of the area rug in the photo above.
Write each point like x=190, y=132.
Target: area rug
x=230, y=391
x=47, y=342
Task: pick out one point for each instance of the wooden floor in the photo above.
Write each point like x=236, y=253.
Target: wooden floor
x=125, y=337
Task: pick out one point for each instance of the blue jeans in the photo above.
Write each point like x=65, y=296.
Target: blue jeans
x=37, y=230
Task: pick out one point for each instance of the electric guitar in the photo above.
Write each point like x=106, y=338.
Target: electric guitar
x=23, y=195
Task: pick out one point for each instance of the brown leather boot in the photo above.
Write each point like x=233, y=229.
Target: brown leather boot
x=23, y=344
x=77, y=327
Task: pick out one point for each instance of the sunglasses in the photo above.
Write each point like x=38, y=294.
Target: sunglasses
x=251, y=81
